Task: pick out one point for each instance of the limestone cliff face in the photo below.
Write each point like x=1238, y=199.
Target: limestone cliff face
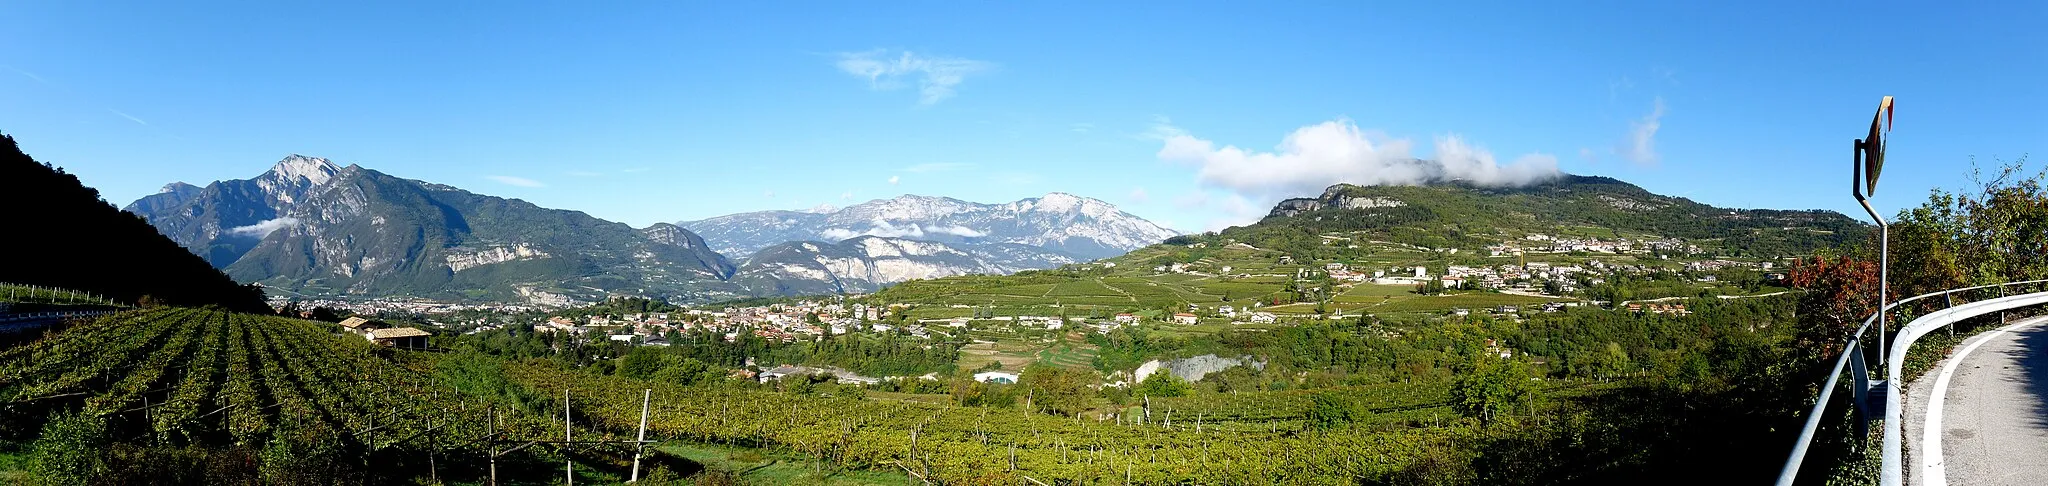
x=310, y=227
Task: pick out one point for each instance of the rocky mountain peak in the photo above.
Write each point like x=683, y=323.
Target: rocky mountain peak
x=312, y=170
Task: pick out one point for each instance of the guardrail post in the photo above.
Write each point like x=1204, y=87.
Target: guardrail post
x=1859, y=392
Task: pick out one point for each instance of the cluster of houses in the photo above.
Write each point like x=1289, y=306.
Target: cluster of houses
x=781, y=322
x=1540, y=243
x=395, y=304
x=1654, y=308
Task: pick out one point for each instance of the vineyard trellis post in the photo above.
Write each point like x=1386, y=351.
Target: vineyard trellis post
x=568, y=463
x=640, y=443
x=493, y=426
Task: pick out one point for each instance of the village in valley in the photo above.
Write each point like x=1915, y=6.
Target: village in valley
x=1503, y=283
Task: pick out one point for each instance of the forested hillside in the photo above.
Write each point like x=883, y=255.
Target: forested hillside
x=60, y=233
x=1461, y=215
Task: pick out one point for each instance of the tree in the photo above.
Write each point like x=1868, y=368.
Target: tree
x=1490, y=388
x=1328, y=410
x=1056, y=390
x=1611, y=361
x=640, y=363
x=1163, y=384
x=71, y=449
x=685, y=371
x=1840, y=293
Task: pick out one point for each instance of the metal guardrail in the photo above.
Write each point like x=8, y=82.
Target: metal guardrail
x=1865, y=389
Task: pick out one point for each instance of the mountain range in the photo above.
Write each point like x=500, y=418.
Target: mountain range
x=1079, y=227
x=310, y=227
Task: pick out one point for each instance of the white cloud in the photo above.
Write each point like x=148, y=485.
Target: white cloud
x=128, y=116
x=1317, y=156
x=30, y=75
x=515, y=181
x=1614, y=88
x=769, y=193
x=956, y=231
x=1641, y=146
x=584, y=173
x=887, y=230
x=1139, y=195
x=1588, y=155
x=1082, y=127
x=822, y=208
x=846, y=196
x=1235, y=210
x=937, y=167
x=260, y=230
x=1161, y=129
x=936, y=75
x=635, y=170
x=895, y=179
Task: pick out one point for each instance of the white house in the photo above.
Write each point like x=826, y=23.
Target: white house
x=1185, y=318
x=995, y=377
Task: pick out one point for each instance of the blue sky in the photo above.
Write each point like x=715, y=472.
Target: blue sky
x=668, y=111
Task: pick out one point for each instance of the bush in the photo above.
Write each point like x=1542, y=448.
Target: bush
x=70, y=449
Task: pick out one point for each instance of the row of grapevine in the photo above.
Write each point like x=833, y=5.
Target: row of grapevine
x=192, y=377
x=983, y=445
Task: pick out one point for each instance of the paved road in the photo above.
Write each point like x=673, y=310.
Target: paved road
x=1993, y=419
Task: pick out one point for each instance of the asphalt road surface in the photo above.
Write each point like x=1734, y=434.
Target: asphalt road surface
x=1994, y=417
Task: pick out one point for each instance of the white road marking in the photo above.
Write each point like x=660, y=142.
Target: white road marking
x=1934, y=467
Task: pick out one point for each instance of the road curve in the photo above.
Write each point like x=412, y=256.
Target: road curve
x=1992, y=417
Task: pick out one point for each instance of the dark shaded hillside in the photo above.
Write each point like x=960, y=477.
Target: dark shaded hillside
x=62, y=234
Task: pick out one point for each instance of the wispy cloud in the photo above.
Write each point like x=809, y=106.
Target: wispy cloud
x=846, y=196
x=1641, y=146
x=262, y=229
x=584, y=173
x=1588, y=155
x=515, y=181
x=1667, y=74
x=893, y=180
x=1139, y=195
x=768, y=194
x=937, y=167
x=1615, y=87
x=1162, y=128
x=1082, y=127
x=936, y=76
x=132, y=118
x=635, y=170
x=30, y=75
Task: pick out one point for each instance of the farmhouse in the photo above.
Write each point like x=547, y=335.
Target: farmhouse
x=360, y=326
x=401, y=337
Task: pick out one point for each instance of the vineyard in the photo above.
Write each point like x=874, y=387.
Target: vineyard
x=310, y=405
x=1256, y=439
